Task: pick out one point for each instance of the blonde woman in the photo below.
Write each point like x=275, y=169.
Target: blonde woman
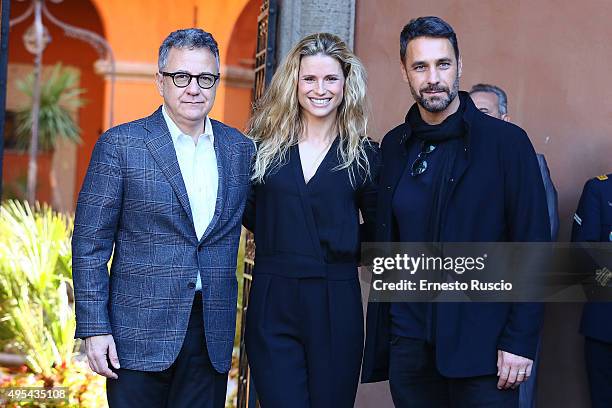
x=314, y=172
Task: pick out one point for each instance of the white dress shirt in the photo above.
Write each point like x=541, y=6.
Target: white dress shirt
x=198, y=164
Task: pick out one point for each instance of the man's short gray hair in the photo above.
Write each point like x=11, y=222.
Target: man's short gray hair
x=502, y=99
x=190, y=38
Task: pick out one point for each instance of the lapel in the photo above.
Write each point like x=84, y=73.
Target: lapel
x=296, y=165
x=462, y=160
x=222, y=152
x=395, y=160
x=393, y=173
x=161, y=148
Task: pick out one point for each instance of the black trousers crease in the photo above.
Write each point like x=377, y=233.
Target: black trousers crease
x=415, y=381
x=190, y=382
x=304, y=339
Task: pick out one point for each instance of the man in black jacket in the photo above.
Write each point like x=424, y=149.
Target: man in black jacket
x=453, y=174
x=493, y=101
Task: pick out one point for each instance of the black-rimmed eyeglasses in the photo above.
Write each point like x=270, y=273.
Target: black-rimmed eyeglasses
x=183, y=79
x=420, y=163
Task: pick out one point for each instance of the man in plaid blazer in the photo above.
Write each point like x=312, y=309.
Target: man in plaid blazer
x=164, y=195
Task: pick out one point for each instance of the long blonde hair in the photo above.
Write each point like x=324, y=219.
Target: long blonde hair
x=277, y=122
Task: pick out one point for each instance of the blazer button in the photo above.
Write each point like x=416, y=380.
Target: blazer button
x=191, y=285
x=384, y=225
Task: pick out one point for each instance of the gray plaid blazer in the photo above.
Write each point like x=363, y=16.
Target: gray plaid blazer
x=134, y=197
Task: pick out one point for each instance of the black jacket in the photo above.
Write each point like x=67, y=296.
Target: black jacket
x=312, y=230
x=497, y=195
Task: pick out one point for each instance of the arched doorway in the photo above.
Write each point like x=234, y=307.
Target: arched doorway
x=239, y=64
x=68, y=161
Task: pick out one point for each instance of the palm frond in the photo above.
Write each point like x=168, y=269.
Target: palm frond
x=35, y=273
x=59, y=98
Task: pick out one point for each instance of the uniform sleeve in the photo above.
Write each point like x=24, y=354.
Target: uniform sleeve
x=587, y=219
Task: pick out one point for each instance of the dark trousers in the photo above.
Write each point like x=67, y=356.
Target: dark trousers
x=598, y=357
x=416, y=383
x=304, y=340
x=191, y=381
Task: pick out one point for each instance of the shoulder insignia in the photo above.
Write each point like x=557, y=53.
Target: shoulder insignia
x=603, y=177
x=577, y=219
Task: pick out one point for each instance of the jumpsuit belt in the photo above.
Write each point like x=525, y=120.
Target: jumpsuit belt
x=290, y=267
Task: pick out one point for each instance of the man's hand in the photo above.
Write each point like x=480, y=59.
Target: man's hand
x=512, y=370
x=97, y=348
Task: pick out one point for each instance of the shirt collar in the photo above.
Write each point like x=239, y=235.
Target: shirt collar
x=175, y=131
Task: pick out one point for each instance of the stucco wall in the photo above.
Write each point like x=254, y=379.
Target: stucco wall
x=552, y=58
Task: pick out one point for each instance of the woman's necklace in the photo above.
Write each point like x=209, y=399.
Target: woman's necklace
x=312, y=169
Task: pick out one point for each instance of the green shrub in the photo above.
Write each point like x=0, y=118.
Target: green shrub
x=36, y=316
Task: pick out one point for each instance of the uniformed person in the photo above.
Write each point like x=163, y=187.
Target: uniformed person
x=593, y=222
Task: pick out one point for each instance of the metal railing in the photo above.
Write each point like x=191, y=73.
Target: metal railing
x=264, y=69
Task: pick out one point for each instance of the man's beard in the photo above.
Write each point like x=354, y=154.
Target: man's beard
x=437, y=103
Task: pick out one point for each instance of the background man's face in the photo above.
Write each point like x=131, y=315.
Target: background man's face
x=432, y=72
x=487, y=102
x=189, y=105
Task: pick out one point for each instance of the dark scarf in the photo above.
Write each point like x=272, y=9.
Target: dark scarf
x=450, y=129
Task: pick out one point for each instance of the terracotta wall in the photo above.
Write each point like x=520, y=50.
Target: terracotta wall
x=135, y=29
x=241, y=55
x=70, y=52
x=552, y=58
